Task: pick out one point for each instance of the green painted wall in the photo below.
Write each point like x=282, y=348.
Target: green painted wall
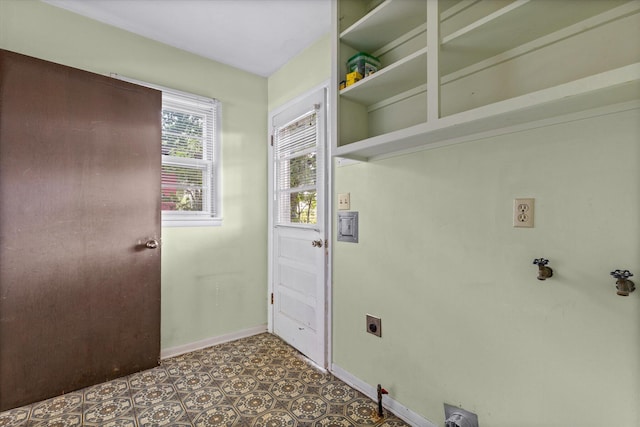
x=213, y=278
x=309, y=69
x=464, y=319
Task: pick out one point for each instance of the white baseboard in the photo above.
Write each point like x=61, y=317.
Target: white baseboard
x=401, y=411
x=208, y=342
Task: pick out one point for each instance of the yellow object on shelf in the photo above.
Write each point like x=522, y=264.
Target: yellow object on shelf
x=353, y=77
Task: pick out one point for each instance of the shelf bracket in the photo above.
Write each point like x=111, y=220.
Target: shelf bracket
x=433, y=64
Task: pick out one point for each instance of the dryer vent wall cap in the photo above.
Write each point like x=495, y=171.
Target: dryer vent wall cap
x=458, y=417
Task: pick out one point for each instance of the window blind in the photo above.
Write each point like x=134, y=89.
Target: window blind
x=296, y=159
x=188, y=129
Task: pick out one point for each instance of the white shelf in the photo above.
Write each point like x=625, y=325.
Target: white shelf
x=616, y=89
x=516, y=24
x=406, y=74
x=390, y=20
x=480, y=35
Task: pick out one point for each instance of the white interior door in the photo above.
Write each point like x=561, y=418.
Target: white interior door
x=299, y=252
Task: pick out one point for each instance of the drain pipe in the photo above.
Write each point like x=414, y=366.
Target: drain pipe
x=381, y=391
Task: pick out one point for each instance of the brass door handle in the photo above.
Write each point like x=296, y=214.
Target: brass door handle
x=316, y=243
x=151, y=244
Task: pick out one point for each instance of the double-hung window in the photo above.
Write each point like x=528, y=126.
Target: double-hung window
x=190, y=181
x=190, y=160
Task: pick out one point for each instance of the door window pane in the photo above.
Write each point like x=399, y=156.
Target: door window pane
x=296, y=170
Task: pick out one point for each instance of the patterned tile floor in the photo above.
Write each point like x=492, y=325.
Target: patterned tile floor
x=258, y=381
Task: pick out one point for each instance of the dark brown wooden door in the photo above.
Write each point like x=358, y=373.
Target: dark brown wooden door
x=79, y=197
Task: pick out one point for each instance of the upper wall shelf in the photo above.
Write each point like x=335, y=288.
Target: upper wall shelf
x=618, y=89
x=385, y=23
x=513, y=25
x=405, y=74
x=495, y=66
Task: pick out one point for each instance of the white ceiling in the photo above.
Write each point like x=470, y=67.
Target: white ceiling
x=258, y=36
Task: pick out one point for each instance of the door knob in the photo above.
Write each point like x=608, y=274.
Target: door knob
x=151, y=244
x=316, y=243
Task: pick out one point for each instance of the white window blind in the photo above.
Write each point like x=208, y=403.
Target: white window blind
x=190, y=179
x=296, y=166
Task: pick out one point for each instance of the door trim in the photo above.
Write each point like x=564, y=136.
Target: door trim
x=327, y=214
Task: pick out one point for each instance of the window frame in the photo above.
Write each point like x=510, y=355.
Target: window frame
x=211, y=215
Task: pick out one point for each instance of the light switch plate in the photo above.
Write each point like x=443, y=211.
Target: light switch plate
x=344, y=201
x=348, y=227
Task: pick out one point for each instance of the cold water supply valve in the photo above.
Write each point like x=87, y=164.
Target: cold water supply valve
x=623, y=284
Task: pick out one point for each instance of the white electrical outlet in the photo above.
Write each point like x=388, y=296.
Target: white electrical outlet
x=523, y=213
x=344, y=201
